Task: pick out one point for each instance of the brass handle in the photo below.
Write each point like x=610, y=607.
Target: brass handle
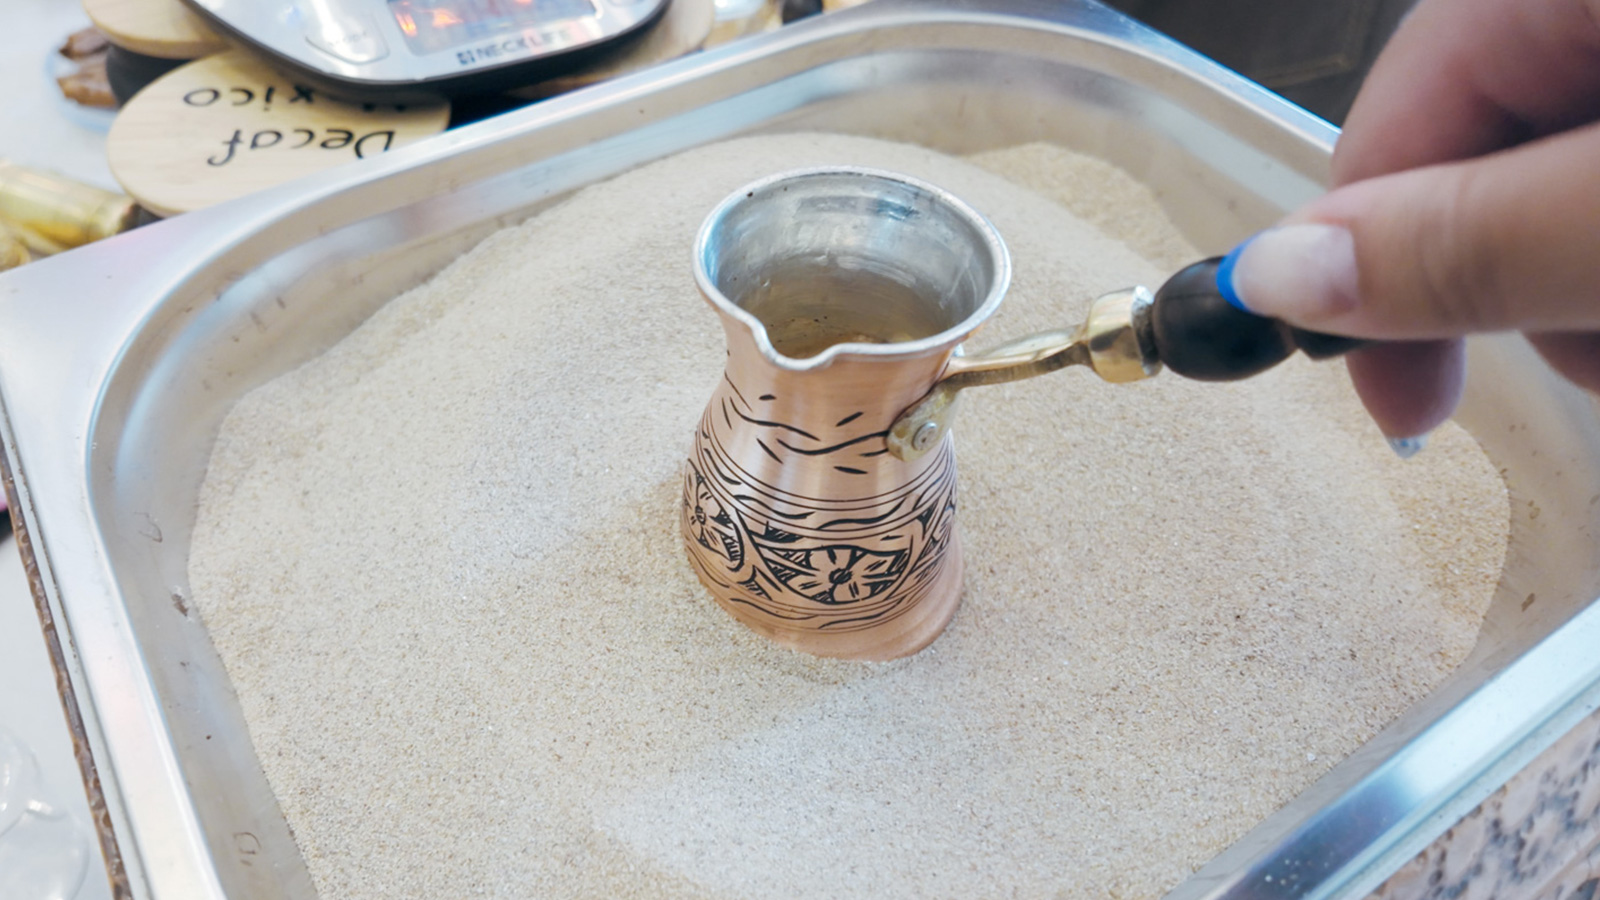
x=1188, y=324
x=1113, y=341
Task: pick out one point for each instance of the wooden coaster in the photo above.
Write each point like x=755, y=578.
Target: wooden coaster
x=680, y=30
x=163, y=28
x=227, y=125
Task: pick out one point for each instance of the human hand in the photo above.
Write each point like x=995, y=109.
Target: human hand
x=1467, y=200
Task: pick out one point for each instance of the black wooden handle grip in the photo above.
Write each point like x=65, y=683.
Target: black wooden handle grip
x=1198, y=334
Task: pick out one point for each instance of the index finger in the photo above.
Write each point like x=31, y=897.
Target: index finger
x=1461, y=78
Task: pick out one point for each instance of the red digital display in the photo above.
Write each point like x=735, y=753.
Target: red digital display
x=433, y=25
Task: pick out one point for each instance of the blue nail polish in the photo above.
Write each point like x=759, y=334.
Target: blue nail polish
x=1407, y=447
x=1225, y=276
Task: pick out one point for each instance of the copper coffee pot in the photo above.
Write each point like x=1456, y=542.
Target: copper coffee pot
x=819, y=496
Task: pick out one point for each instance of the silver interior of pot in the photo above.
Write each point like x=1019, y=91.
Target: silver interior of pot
x=913, y=266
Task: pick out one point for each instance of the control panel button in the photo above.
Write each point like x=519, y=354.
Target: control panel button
x=350, y=37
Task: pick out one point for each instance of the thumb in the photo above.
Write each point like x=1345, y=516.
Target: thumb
x=1506, y=241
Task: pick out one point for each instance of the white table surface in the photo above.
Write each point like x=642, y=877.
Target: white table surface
x=38, y=128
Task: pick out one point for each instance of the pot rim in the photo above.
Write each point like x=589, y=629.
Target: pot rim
x=949, y=338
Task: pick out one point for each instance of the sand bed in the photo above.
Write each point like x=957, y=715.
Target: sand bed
x=441, y=564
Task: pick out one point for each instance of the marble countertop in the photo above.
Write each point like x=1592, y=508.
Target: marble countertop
x=1537, y=837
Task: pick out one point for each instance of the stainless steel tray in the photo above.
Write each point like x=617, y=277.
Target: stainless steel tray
x=118, y=362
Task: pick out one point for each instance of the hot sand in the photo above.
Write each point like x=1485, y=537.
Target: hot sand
x=441, y=563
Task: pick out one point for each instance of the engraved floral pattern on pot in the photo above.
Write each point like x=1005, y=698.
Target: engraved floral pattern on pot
x=846, y=574
x=706, y=522
x=837, y=563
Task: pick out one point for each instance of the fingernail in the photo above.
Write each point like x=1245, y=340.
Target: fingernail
x=1407, y=447
x=1303, y=273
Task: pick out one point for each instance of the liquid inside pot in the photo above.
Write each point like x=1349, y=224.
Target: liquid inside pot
x=808, y=308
